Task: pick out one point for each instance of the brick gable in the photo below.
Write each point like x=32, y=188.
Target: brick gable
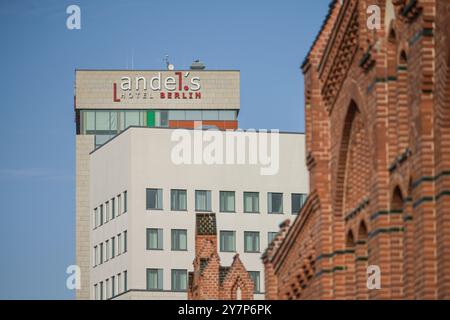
x=377, y=112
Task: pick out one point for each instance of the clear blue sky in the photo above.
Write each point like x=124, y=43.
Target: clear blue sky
x=38, y=56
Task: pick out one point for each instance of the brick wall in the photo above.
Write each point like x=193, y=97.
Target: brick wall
x=377, y=112
x=210, y=280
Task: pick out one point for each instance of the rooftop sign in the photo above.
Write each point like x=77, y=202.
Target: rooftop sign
x=191, y=89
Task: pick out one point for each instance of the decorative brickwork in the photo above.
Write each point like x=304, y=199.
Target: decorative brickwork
x=377, y=112
x=210, y=280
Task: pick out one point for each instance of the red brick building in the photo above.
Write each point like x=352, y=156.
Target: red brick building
x=377, y=109
x=210, y=280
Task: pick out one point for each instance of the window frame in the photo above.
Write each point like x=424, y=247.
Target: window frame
x=159, y=279
x=159, y=238
x=172, y=233
x=208, y=201
x=274, y=233
x=222, y=245
x=125, y=202
x=176, y=193
x=303, y=197
x=172, y=278
x=252, y=233
x=159, y=197
x=257, y=286
x=246, y=193
x=222, y=208
x=270, y=203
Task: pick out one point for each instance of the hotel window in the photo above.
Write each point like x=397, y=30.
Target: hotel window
x=96, y=296
x=102, y=139
x=119, y=244
x=101, y=290
x=275, y=202
x=113, y=208
x=251, y=241
x=107, y=294
x=178, y=200
x=101, y=214
x=131, y=118
x=154, y=199
x=227, y=201
x=161, y=118
x=125, y=201
x=107, y=211
x=155, y=279
x=251, y=202
x=297, y=202
x=88, y=121
x=179, y=240
x=125, y=281
x=110, y=122
x=271, y=236
x=227, y=241
x=179, y=280
x=210, y=115
x=102, y=122
x=255, y=275
x=113, y=125
x=194, y=115
x=227, y=115
x=125, y=241
x=113, y=247
x=107, y=250
x=177, y=115
x=101, y=253
x=202, y=200
x=119, y=205
x=95, y=218
x=113, y=286
x=119, y=283
x=95, y=256
x=154, y=239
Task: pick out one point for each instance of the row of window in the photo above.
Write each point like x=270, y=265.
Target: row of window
x=155, y=239
x=111, y=287
x=227, y=201
x=113, y=121
x=109, y=249
x=118, y=284
x=110, y=209
x=179, y=280
x=227, y=240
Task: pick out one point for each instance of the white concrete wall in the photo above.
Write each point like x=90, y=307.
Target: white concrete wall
x=140, y=158
x=84, y=145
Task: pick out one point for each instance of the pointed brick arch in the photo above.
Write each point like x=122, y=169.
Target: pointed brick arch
x=361, y=261
x=350, y=276
x=352, y=178
x=397, y=199
x=408, y=243
x=396, y=243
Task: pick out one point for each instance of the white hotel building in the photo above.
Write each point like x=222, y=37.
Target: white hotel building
x=136, y=205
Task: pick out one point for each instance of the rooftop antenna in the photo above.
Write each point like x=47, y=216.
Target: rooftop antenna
x=168, y=64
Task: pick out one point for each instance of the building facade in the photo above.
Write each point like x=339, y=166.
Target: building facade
x=210, y=280
x=136, y=203
x=377, y=136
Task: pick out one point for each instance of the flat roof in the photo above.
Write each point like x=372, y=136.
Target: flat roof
x=161, y=70
x=159, y=128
